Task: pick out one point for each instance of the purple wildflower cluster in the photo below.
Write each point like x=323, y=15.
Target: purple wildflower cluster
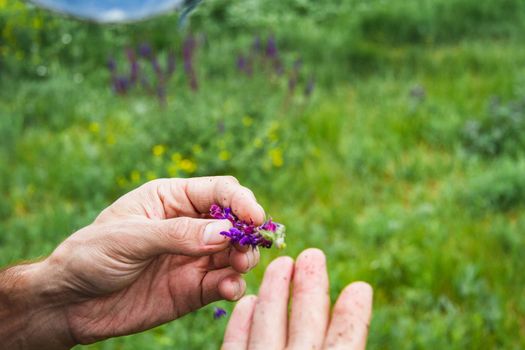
x=219, y=313
x=146, y=71
x=270, y=58
x=248, y=234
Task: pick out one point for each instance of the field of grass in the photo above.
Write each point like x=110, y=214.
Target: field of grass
x=404, y=164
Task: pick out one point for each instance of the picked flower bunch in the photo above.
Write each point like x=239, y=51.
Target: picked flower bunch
x=244, y=233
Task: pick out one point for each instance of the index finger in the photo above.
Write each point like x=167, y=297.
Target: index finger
x=225, y=191
x=194, y=197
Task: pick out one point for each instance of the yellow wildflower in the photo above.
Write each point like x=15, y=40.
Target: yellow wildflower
x=111, y=140
x=188, y=166
x=158, y=150
x=273, y=131
x=37, y=22
x=173, y=170
x=257, y=143
x=197, y=149
x=150, y=175
x=135, y=176
x=94, y=127
x=176, y=157
x=276, y=155
x=122, y=182
x=247, y=121
x=224, y=155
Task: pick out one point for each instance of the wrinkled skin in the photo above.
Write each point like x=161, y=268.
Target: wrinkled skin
x=148, y=258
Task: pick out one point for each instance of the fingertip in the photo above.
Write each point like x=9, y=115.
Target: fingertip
x=240, y=262
x=244, y=262
x=247, y=300
x=311, y=255
x=282, y=262
x=245, y=206
x=359, y=288
x=232, y=288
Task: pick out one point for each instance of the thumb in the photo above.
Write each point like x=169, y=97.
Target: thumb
x=187, y=236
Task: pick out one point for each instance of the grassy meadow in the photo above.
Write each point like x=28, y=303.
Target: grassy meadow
x=390, y=134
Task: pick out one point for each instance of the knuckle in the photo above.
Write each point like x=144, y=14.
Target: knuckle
x=183, y=229
x=229, y=180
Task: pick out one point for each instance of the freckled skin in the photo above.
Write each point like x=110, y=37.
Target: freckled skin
x=309, y=325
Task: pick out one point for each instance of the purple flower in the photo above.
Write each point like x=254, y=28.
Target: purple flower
x=248, y=234
x=271, y=47
x=134, y=65
x=241, y=63
x=156, y=67
x=121, y=85
x=145, y=50
x=218, y=313
x=187, y=54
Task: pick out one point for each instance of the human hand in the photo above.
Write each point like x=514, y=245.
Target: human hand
x=149, y=258
x=261, y=322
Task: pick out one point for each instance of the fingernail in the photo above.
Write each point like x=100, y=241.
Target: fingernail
x=212, y=232
x=238, y=288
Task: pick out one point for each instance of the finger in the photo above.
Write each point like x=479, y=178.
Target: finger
x=350, y=318
x=270, y=317
x=238, y=329
x=310, y=301
x=222, y=284
x=242, y=248
x=227, y=192
x=244, y=262
x=220, y=260
x=146, y=238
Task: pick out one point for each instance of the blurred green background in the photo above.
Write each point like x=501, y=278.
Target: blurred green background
x=405, y=162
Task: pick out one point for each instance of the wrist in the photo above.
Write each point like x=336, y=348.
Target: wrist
x=31, y=314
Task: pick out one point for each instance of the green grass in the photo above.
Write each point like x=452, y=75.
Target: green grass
x=377, y=178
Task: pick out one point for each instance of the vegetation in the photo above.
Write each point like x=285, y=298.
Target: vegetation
x=398, y=149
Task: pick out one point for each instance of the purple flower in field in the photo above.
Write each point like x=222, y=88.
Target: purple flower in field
x=156, y=67
x=244, y=64
x=218, y=313
x=121, y=85
x=241, y=63
x=248, y=234
x=271, y=48
x=145, y=50
x=188, y=50
x=134, y=65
